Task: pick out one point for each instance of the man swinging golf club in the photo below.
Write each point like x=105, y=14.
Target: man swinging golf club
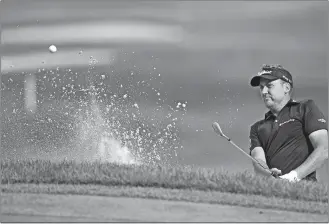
x=292, y=138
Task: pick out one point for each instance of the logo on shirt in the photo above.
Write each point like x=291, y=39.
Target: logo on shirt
x=286, y=122
x=322, y=120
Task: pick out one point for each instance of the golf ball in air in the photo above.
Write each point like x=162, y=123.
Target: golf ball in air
x=52, y=48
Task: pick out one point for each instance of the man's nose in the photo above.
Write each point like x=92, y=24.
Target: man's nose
x=264, y=90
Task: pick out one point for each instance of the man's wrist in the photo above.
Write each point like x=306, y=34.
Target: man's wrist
x=295, y=174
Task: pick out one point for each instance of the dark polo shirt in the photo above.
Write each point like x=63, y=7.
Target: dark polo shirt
x=285, y=138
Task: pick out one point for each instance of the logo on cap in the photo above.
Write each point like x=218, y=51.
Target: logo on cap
x=264, y=72
x=285, y=78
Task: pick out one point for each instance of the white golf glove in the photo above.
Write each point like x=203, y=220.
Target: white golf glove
x=292, y=176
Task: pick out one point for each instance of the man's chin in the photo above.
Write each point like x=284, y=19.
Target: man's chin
x=268, y=103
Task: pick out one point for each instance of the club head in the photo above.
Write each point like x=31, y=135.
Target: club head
x=217, y=129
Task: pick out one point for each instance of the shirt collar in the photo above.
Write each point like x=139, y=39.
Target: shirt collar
x=269, y=114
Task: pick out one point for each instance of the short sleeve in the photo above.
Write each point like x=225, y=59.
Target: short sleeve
x=253, y=138
x=313, y=118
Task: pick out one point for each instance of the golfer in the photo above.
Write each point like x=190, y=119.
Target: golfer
x=292, y=138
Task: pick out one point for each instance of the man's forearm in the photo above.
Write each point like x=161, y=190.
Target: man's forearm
x=260, y=169
x=313, y=162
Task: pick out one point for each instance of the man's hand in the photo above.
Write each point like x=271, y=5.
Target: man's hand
x=276, y=172
x=292, y=176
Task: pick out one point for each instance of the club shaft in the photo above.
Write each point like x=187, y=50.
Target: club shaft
x=236, y=146
x=219, y=131
x=252, y=158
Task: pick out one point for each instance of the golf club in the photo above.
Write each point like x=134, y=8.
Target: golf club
x=219, y=131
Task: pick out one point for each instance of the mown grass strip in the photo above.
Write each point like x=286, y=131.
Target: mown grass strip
x=212, y=197
x=109, y=174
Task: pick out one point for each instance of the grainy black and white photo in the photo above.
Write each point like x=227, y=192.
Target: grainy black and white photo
x=164, y=111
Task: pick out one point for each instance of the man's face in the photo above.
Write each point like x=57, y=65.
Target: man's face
x=272, y=92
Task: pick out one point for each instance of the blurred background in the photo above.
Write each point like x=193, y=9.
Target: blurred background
x=143, y=81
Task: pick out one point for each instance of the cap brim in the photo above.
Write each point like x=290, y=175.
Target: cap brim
x=255, y=81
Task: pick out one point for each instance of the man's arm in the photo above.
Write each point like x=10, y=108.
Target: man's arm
x=259, y=155
x=319, y=140
x=315, y=127
x=257, y=152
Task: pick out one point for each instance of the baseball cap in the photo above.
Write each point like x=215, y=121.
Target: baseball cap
x=271, y=73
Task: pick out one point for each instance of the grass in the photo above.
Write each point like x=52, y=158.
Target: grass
x=166, y=177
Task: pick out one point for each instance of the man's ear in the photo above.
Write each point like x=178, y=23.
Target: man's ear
x=286, y=87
